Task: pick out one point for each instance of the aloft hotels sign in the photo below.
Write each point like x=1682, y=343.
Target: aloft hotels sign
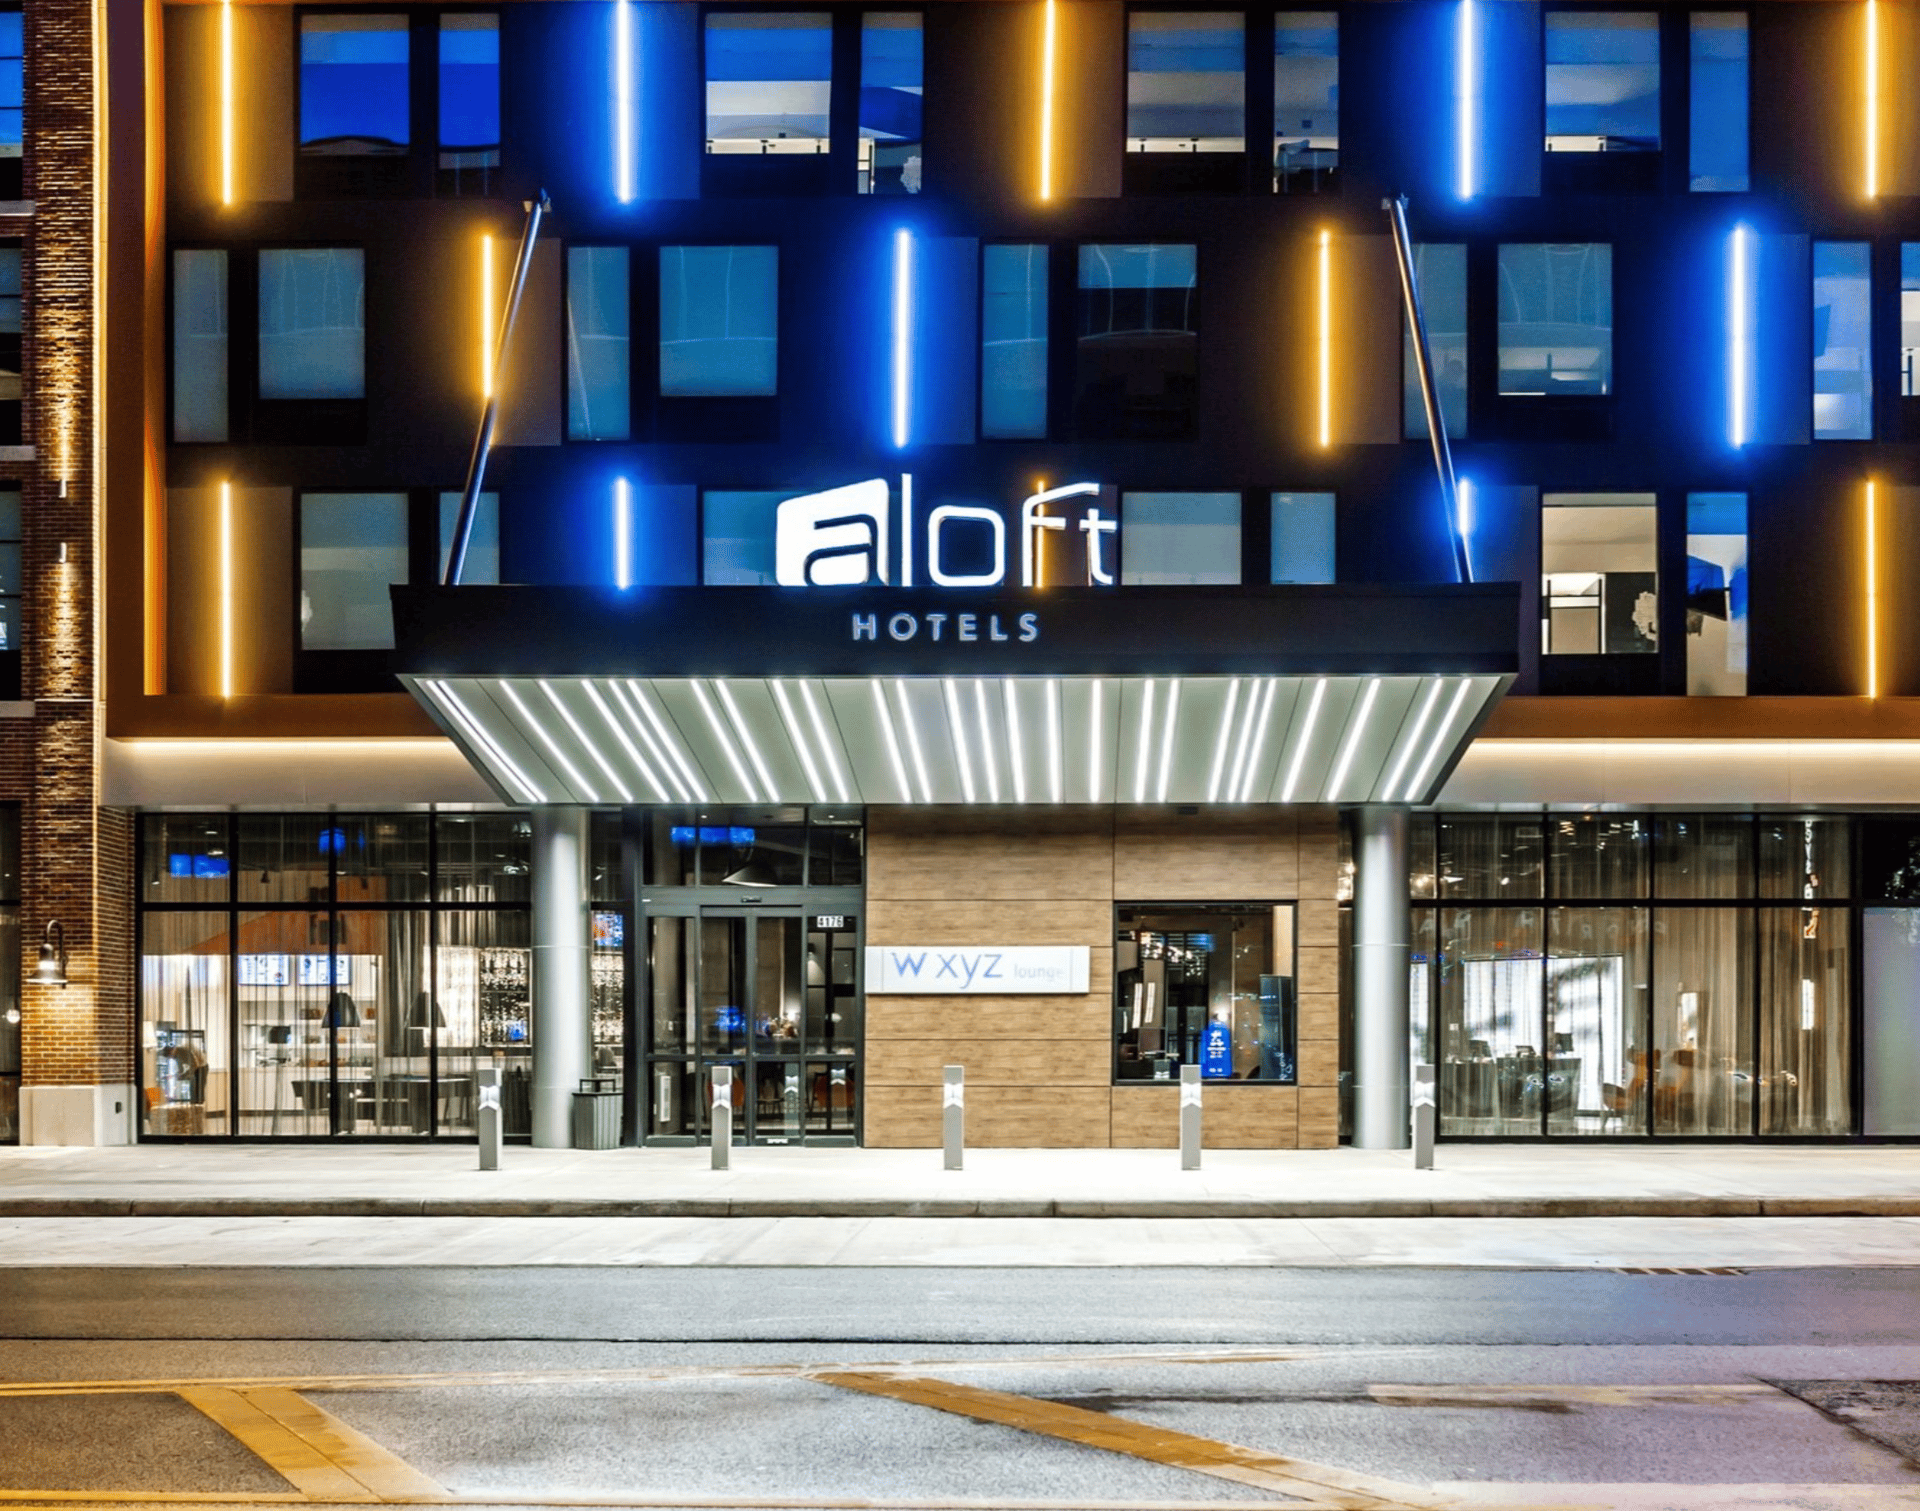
x=976, y=970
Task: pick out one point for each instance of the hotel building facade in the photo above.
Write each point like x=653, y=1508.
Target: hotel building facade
x=962, y=574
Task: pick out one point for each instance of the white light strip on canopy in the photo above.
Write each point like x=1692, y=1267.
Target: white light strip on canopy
x=1187, y=739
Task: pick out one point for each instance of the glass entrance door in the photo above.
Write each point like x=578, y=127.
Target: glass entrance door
x=771, y=994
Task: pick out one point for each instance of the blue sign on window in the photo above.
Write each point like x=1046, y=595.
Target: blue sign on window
x=1216, y=1053
x=682, y=836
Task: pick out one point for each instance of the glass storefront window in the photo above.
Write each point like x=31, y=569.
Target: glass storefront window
x=1596, y=1020
x=1487, y=1023
x=484, y=857
x=382, y=858
x=1805, y=857
x=1805, y=1023
x=1494, y=856
x=482, y=1014
x=185, y=1068
x=1890, y=1043
x=1701, y=1061
x=185, y=857
x=285, y=857
x=1702, y=855
x=1600, y=855
x=1211, y=985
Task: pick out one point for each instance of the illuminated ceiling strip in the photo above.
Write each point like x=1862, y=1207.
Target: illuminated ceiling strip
x=527, y=721
x=593, y=746
x=799, y=740
x=486, y=315
x=746, y=739
x=622, y=534
x=1047, y=36
x=1141, y=755
x=720, y=735
x=1466, y=68
x=1166, y=741
x=623, y=122
x=1306, y=738
x=613, y=722
x=1221, y=740
x=1243, y=748
x=989, y=753
x=913, y=741
x=1440, y=737
x=1326, y=339
x=1739, y=352
x=842, y=788
x=1095, y=728
x=653, y=729
x=1261, y=724
x=1427, y=705
x=1872, y=93
x=1873, y=592
x=959, y=733
x=1056, y=762
x=902, y=336
x=1355, y=732
x=1016, y=746
x=893, y=742
x=448, y=699
x=226, y=590
x=226, y=102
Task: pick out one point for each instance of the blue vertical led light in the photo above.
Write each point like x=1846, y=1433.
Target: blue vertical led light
x=902, y=335
x=1740, y=337
x=622, y=533
x=1466, y=104
x=623, y=124
x=1463, y=519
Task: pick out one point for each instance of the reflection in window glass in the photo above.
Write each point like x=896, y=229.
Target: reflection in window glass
x=1556, y=319
x=1180, y=539
x=1599, y=586
x=199, y=346
x=1600, y=855
x=1013, y=341
x=1441, y=272
x=12, y=389
x=12, y=82
x=1303, y=537
x=1717, y=102
x=353, y=547
x=483, y=543
x=1842, y=341
x=1186, y=81
x=1306, y=100
x=1489, y=857
x=769, y=81
x=1138, y=342
x=1603, y=81
x=890, y=101
x=353, y=85
x=599, y=356
x=1716, y=594
x=469, y=102
x=1205, y=985
x=736, y=547
x=312, y=330
x=1805, y=857
x=719, y=320
x=1702, y=855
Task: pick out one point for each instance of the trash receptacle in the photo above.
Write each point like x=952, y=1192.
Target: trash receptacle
x=596, y=1115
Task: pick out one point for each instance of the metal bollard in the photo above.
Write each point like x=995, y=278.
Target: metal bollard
x=722, y=1120
x=1426, y=1116
x=487, y=1115
x=953, y=1113
x=1189, y=1117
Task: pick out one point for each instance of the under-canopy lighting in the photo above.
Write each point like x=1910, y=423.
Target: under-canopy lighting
x=1739, y=336
x=622, y=533
x=487, y=316
x=1326, y=338
x=1871, y=100
x=226, y=102
x=1873, y=592
x=623, y=122
x=902, y=336
x=1356, y=731
x=1048, y=30
x=1466, y=89
x=226, y=590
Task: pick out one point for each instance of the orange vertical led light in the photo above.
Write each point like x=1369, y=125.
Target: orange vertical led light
x=1872, y=94
x=486, y=316
x=1326, y=338
x=226, y=590
x=1873, y=596
x=1048, y=27
x=226, y=102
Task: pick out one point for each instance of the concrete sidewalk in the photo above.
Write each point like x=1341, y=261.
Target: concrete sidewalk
x=1487, y=1180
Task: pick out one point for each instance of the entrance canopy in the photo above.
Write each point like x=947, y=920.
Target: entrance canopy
x=759, y=695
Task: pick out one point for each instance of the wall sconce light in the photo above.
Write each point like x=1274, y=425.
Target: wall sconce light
x=61, y=555
x=52, y=969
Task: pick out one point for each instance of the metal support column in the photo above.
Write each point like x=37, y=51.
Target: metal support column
x=1382, y=921
x=562, y=1025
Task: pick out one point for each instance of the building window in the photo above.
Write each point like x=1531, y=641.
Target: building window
x=10, y=974
x=1303, y=537
x=1441, y=272
x=1013, y=341
x=736, y=538
x=1186, y=81
x=890, y=102
x=599, y=348
x=469, y=103
x=1599, y=592
x=199, y=346
x=1716, y=594
x=13, y=95
x=1180, y=539
x=1306, y=101
x=1603, y=81
x=1717, y=102
x=769, y=82
x=719, y=320
x=12, y=576
x=483, y=541
x=12, y=364
x=312, y=332
x=1205, y=984
x=1843, y=341
x=1556, y=319
x=1137, y=358
x=1910, y=319
x=353, y=547
x=354, y=108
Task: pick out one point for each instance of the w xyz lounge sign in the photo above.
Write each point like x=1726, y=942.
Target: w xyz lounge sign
x=976, y=970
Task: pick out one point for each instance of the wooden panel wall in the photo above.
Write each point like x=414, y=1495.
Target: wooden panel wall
x=1039, y=1068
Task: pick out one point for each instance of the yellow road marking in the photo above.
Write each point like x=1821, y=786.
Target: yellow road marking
x=1159, y=1445
x=316, y=1453
x=1576, y=1395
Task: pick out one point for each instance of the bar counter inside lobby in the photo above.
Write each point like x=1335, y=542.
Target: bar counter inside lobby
x=1484, y=1180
